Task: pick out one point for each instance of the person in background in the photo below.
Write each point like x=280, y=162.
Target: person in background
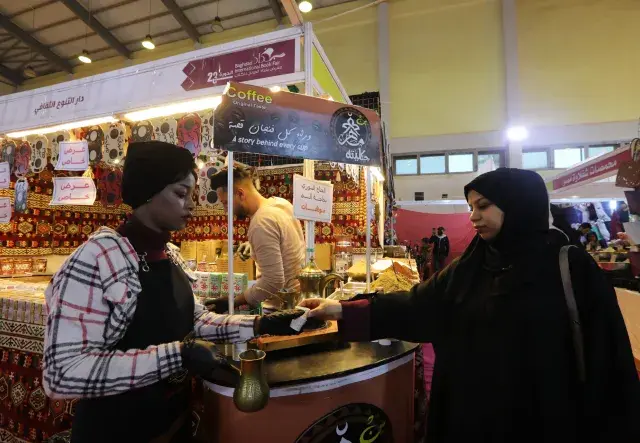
x=561, y=224
x=585, y=230
x=425, y=258
x=618, y=218
x=440, y=250
x=510, y=366
x=123, y=327
x=434, y=236
x=592, y=244
x=275, y=235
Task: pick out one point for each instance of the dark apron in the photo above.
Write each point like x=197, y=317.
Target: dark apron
x=164, y=313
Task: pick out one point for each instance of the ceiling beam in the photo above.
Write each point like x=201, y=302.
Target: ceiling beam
x=94, y=12
x=182, y=19
x=11, y=75
x=277, y=12
x=34, y=44
x=293, y=12
x=94, y=24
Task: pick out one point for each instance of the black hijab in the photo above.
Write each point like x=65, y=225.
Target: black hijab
x=524, y=237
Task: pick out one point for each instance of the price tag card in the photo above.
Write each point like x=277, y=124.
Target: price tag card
x=73, y=191
x=5, y=175
x=312, y=199
x=5, y=210
x=74, y=156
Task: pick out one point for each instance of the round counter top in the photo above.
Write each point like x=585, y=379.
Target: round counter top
x=321, y=362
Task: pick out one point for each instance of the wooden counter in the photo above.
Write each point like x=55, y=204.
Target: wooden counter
x=320, y=391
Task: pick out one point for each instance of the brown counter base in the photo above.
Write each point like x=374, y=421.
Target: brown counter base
x=289, y=415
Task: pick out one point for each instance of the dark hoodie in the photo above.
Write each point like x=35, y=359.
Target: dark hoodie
x=497, y=317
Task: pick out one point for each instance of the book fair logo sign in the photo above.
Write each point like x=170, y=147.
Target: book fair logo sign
x=352, y=131
x=353, y=423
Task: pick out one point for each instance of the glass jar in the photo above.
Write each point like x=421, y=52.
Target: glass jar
x=342, y=255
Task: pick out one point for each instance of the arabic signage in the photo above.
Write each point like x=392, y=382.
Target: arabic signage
x=154, y=83
x=5, y=175
x=79, y=191
x=254, y=119
x=5, y=210
x=71, y=100
x=312, y=199
x=249, y=64
x=353, y=423
x=600, y=168
x=74, y=156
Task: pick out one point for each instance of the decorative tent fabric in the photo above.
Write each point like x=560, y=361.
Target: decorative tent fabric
x=44, y=229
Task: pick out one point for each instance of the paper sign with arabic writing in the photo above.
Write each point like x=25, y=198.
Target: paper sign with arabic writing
x=312, y=199
x=5, y=175
x=5, y=210
x=74, y=156
x=77, y=191
x=255, y=119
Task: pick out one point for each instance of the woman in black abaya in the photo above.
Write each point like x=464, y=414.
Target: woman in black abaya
x=506, y=367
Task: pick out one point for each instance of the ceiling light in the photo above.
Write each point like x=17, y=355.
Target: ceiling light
x=517, y=133
x=147, y=43
x=29, y=72
x=63, y=127
x=84, y=57
x=305, y=6
x=216, y=26
x=175, y=108
x=275, y=88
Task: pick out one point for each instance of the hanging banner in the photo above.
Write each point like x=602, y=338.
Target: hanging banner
x=248, y=64
x=73, y=156
x=596, y=169
x=77, y=191
x=5, y=210
x=255, y=119
x=5, y=175
x=312, y=199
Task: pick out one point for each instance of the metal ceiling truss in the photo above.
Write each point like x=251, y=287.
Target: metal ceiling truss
x=34, y=44
x=99, y=29
x=178, y=14
x=277, y=12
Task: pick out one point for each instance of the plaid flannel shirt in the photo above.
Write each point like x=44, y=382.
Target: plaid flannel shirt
x=90, y=302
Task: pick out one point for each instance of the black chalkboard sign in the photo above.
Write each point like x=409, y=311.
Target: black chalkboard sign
x=255, y=119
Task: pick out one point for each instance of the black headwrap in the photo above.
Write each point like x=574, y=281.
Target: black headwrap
x=522, y=196
x=150, y=167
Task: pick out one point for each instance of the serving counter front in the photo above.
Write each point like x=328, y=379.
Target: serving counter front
x=322, y=393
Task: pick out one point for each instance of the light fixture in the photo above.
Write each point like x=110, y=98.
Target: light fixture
x=613, y=205
x=517, y=133
x=305, y=6
x=147, y=43
x=84, y=57
x=216, y=26
x=330, y=98
x=175, y=108
x=63, y=127
x=29, y=72
x=275, y=88
x=377, y=174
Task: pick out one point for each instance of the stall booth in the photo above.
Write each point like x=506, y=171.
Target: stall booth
x=61, y=160
x=595, y=181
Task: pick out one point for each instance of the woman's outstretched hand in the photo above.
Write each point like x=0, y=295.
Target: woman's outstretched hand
x=323, y=309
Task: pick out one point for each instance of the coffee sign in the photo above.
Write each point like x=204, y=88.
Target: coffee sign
x=353, y=423
x=255, y=119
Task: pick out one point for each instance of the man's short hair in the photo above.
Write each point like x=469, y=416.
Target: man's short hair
x=585, y=226
x=441, y=228
x=240, y=173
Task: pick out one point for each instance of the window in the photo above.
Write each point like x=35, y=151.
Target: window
x=594, y=151
x=418, y=196
x=460, y=163
x=489, y=161
x=406, y=165
x=535, y=159
x=566, y=157
x=432, y=164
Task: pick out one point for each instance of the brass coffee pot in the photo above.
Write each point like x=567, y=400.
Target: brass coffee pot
x=252, y=390
x=314, y=281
